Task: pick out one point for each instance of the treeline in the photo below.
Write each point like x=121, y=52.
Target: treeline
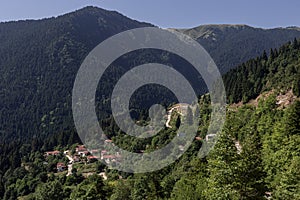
x=280, y=69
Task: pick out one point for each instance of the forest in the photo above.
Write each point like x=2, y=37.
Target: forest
x=257, y=155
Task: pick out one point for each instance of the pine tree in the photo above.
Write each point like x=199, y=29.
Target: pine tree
x=282, y=145
x=222, y=164
x=250, y=171
x=265, y=56
x=140, y=189
x=272, y=55
x=49, y=191
x=291, y=119
x=289, y=185
x=295, y=43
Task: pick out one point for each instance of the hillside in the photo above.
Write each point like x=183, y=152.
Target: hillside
x=231, y=45
x=256, y=156
x=38, y=63
x=39, y=60
x=279, y=71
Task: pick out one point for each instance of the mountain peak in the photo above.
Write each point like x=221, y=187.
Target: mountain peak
x=224, y=26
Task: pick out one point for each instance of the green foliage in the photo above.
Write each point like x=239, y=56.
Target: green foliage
x=122, y=190
x=282, y=146
x=222, y=164
x=262, y=74
x=289, y=185
x=37, y=78
x=50, y=191
x=92, y=188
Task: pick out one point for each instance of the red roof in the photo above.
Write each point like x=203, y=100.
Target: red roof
x=93, y=157
x=198, y=138
x=81, y=148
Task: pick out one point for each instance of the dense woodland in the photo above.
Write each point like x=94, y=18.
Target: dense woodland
x=268, y=163
x=277, y=70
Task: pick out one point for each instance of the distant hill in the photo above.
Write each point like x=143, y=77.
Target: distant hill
x=231, y=45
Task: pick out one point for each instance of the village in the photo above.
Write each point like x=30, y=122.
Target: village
x=81, y=155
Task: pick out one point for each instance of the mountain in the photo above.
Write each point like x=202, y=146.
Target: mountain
x=231, y=45
x=256, y=156
x=39, y=60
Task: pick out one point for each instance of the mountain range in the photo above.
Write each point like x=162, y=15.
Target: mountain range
x=231, y=45
x=39, y=60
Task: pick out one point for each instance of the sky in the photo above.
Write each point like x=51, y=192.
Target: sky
x=168, y=13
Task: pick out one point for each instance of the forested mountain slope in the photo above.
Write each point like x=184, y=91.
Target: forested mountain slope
x=231, y=45
x=39, y=61
x=280, y=71
x=38, y=64
x=257, y=154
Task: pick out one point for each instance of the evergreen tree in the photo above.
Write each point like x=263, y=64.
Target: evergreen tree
x=140, y=189
x=49, y=191
x=121, y=190
x=289, y=185
x=222, y=165
x=250, y=174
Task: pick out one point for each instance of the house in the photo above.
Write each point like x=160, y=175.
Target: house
x=60, y=167
x=52, y=153
x=92, y=158
x=108, y=158
x=80, y=148
x=111, y=158
x=94, y=151
x=198, y=138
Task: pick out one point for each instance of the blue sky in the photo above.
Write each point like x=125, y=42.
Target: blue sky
x=168, y=13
